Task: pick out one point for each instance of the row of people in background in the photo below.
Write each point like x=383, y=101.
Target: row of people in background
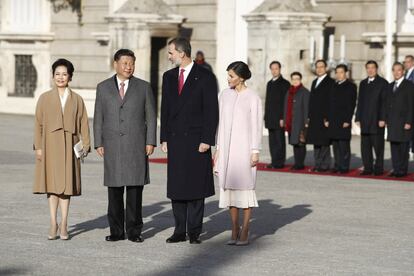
x=322, y=117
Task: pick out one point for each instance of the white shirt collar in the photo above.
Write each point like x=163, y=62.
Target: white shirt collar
x=322, y=77
x=126, y=83
x=371, y=79
x=398, y=82
x=410, y=71
x=64, y=98
x=275, y=78
x=187, y=68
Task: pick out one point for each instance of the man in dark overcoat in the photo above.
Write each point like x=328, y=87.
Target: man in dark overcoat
x=317, y=134
x=339, y=122
x=370, y=117
x=189, y=118
x=276, y=91
x=399, y=114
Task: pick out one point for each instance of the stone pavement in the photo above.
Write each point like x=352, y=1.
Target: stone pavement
x=305, y=225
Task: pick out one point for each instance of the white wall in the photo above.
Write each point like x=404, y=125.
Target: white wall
x=231, y=34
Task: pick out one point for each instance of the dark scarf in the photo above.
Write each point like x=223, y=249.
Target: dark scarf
x=289, y=112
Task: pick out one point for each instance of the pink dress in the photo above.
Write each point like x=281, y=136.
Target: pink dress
x=239, y=135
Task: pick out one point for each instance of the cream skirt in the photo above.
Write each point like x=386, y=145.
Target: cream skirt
x=238, y=198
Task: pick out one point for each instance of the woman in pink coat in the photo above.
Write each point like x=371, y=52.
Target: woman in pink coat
x=238, y=143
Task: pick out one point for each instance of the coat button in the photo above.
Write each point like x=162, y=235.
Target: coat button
x=122, y=106
x=122, y=120
x=121, y=134
x=185, y=133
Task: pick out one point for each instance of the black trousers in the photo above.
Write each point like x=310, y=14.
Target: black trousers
x=299, y=154
x=277, y=147
x=188, y=215
x=131, y=217
x=342, y=154
x=399, y=156
x=322, y=155
x=370, y=143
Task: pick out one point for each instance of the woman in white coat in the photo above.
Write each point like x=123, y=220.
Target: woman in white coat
x=238, y=144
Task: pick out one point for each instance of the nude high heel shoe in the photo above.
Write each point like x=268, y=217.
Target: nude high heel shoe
x=52, y=232
x=243, y=243
x=233, y=242
x=63, y=233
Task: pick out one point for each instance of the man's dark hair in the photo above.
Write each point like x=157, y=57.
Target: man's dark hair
x=241, y=69
x=397, y=63
x=181, y=45
x=321, y=60
x=123, y=52
x=66, y=63
x=371, y=62
x=410, y=57
x=296, y=73
x=343, y=66
x=275, y=62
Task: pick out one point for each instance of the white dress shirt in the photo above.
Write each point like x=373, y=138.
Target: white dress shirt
x=409, y=72
x=371, y=79
x=64, y=98
x=398, y=82
x=320, y=79
x=125, y=86
x=187, y=70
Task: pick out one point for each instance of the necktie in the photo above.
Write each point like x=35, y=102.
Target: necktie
x=121, y=90
x=395, y=87
x=181, y=81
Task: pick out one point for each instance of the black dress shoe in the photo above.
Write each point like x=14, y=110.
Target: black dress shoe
x=111, y=238
x=378, y=173
x=136, y=239
x=269, y=166
x=365, y=173
x=400, y=175
x=343, y=171
x=195, y=240
x=279, y=167
x=391, y=174
x=315, y=169
x=176, y=238
x=334, y=171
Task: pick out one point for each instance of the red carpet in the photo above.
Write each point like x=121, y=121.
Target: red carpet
x=352, y=173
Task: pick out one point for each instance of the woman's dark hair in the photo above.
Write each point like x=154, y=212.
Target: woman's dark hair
x=123, y=52
x=343, y=66
x=66, y=63
x=296, y=74
x=181, y=45
x=371, y=62
x=241, y=69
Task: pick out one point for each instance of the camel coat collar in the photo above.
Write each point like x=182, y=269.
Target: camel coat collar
x=63, y=120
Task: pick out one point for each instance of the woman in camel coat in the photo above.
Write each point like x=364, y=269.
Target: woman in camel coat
x=61, y=122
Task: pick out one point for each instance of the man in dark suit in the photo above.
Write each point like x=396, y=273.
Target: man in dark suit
x=189, y=118
x=317, y=134
x=409, y=75
x=125, y=126
x=398, y=118
x=339, y=121
x=370, y=117
x=276, y=91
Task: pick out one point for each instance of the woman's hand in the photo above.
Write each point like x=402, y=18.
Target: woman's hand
x=39, y=154
x=254, y=159
x=215, y=160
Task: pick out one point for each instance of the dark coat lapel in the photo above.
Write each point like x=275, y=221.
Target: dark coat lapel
x=187, y=88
